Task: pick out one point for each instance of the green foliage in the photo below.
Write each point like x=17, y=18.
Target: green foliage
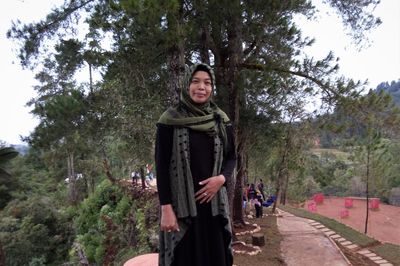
x=37, y=261
x=352, y=10
x=104, y=222
x=389, y=252
x=379, y=118
x=33, y=231
x=89, y=212
x=393, y=89
x=6, y=154
x=8, y=183
x=302, y=188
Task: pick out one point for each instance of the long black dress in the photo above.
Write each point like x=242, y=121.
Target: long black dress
x=205, y=243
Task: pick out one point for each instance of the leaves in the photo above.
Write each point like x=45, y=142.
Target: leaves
x=6, y=154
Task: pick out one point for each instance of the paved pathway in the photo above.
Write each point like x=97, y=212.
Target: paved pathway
x=303, y=244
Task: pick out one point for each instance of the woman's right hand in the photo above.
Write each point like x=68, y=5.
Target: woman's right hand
x=169, y=222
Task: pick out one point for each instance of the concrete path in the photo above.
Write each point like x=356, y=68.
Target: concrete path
x=303, y=244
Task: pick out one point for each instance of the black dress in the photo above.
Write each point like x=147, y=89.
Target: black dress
x=205, y=243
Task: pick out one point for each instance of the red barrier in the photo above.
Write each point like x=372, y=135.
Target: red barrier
x=312, y=206
x=348, y=202
x=344, y=213
x=374, y=204
x=319, y=198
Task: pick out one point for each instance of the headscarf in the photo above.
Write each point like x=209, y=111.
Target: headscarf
x=207, y=117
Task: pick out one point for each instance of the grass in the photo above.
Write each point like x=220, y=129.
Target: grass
x=342, y=229
x=389, y=252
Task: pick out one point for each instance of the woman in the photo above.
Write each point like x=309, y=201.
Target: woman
x=194, y=159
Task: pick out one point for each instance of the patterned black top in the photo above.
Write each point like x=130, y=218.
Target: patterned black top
x=201, y=158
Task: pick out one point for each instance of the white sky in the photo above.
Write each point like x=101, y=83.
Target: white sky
x=378, y=63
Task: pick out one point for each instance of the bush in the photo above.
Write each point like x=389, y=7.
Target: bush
x=110, y=224
x=33, y=232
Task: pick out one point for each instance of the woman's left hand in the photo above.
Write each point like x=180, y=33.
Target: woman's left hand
x=211, y=187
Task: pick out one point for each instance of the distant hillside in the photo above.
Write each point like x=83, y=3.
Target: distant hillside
x=22, y=149
x=329, y=139
x=392, y=88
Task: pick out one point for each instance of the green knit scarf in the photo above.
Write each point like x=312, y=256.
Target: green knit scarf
x=207, y=117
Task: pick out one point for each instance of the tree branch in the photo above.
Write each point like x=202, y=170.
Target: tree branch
x=325, y=87
x=32, y=34
x=108, y=172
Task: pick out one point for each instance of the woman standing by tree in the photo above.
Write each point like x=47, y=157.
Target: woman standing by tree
x=194, y=157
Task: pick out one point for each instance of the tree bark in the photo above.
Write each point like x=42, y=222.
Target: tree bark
x=285, y=187
x=232, y=83
x=142, y=177
x=81, y=255
x=367, y=188
x=176, y=56
x=204, y=34
x=71, y=178
x=237, y=207
x=282, y=170
x=2, y=256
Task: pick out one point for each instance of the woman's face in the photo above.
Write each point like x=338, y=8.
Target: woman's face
x=200, y=87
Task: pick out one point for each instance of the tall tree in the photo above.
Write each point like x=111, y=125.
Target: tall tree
x=378, y=117
x=251, y=45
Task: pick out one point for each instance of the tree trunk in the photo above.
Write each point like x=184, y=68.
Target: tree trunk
x=281, y=172
x=283, y=191
x=232, y=83
x=203, y=35
x=227, y=56
x=142, y=178
x=81, y=254
x=285, y=188
x=283, y=169
x=277, y=188
x=237, y=207
x=176, y=56
x=90, y=79
x=71, y=179
x=204, y=54
x=367, y=189
x=2, y=256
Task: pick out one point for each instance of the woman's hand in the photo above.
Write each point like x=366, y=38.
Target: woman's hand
x=168, y=222
x=211, y=187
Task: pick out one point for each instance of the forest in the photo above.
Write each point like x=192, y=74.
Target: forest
x=66, y=199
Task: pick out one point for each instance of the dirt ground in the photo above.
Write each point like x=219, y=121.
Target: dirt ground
x=270, y=254
x=382, y=225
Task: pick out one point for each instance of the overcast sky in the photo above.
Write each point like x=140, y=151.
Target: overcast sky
x=378, y=63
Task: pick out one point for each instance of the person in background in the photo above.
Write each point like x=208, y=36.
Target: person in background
x=260, y=187
x=195, y=156
x=251, y=192
x=245, y=198
x=135, y=177
x=258, y=204
x=149, y=172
